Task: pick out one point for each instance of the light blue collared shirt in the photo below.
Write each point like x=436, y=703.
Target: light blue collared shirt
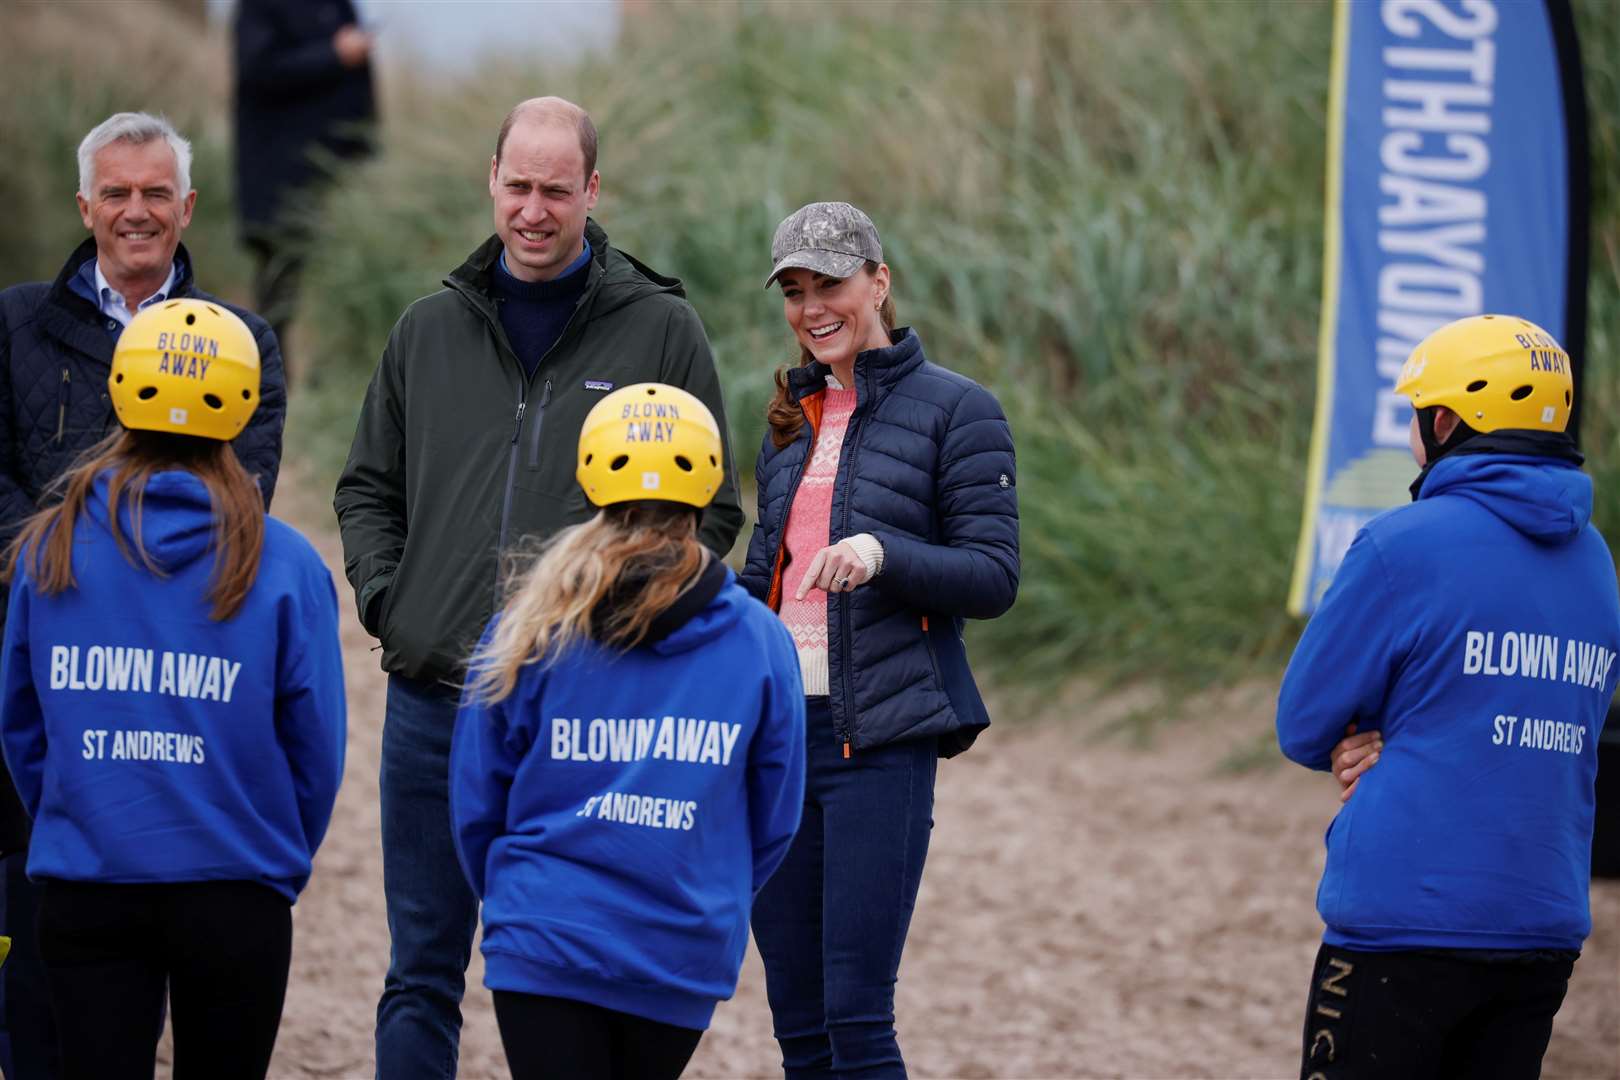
x=111, y=301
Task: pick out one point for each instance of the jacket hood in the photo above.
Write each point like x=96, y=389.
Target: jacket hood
x=1546, y=499
x=714, y=619
x=616, y=277
x=177, y=519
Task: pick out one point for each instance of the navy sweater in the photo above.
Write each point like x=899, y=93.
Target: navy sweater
x=535, y=313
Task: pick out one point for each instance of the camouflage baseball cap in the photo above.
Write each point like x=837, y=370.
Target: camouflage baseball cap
x=832, y=238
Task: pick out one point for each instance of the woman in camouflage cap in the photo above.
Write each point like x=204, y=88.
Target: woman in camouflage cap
x=888, y=513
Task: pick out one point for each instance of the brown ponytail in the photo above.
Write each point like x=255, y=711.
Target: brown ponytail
x=783, y=414
x=132, y=457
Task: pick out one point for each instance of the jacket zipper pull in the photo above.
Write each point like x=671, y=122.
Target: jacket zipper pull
x=517, y=425
x=846, y=749
x=61, y=404
x=545, y=395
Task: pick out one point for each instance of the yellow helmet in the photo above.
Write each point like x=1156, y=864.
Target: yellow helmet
x=188, y=367
x=1493, y=371
x=650, y=441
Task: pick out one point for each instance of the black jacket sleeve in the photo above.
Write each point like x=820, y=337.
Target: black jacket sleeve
x=973, y=571
x=265, y=64
x=689, y=364
x=370, y=498
x=258, y=448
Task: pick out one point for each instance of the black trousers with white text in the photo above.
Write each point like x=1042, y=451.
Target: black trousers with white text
x=1435, y=1015
x=221, y=948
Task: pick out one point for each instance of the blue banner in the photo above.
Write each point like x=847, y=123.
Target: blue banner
x=1448, y=194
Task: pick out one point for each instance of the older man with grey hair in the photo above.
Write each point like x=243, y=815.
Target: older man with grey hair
x=56, y=346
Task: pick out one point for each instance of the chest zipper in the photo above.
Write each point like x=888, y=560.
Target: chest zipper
x=850, y=449
x=537, y=423
x=511, y=475
x=62, y=404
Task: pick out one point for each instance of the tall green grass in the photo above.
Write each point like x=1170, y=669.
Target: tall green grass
x=1109, y=213
x=64, y=68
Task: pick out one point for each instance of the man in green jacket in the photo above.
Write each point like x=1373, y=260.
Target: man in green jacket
x=465, y=450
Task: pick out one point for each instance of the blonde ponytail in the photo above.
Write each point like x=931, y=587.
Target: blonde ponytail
x=641, y=556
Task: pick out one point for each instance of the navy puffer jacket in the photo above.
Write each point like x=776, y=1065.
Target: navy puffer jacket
x=927, y=468
x=56, y=352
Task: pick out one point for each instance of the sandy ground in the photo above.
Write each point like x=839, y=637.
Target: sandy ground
x=1089, y=909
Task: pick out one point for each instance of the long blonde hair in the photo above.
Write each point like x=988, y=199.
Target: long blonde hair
x=637, y=557
x=131, y=457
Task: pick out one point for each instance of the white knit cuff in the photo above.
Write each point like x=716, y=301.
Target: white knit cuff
x=870, y=551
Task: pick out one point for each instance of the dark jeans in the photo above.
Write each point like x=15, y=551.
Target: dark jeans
x=1423, y=1015
x=221, y=948
x=29, y=1026
x=432, y=912
x=831, y=922
x=551, y=1038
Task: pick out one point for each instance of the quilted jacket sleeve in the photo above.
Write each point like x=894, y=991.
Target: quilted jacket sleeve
x=15, y=505
x=756, y=573
x=972, y=571
x=258, y=448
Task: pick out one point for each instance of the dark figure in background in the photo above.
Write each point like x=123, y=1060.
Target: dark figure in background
x=56, y=349
x=303, y=93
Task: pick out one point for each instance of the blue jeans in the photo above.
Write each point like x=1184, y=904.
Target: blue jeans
x=432, y=912
x=30, y=1024
x=832, y=920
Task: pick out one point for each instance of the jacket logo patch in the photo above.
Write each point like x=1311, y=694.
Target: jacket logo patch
x=1005, y=481
x=597, y=384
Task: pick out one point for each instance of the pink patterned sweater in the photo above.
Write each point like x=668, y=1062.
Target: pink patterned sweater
x=808, y=531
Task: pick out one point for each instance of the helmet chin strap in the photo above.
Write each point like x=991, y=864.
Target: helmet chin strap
x=1433, y=450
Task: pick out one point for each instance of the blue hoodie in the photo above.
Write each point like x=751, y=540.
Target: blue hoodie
x=1477, y=629
x=618, y=811
x=152, y=744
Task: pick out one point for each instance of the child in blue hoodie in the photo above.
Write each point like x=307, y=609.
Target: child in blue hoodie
x=172, y=712
x=1473, y=634
x=628, y=762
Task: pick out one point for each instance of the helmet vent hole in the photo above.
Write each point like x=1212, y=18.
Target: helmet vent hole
x=211, y=310
x=247, y=395
x=213, y=402
x=191, y=317
x=1521, y=393
x=588, y=458
x=118, y=377
x=684, y=462
x=147, y=393
x=652, y=391
x=619, y=462
x=713, y=463
x=1476, y=386
x=1566, y=399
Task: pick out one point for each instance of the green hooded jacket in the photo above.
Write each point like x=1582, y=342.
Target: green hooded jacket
x=459, y=456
